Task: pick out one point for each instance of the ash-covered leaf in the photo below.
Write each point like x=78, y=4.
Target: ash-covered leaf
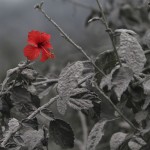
x=95, y=135
x=130, y=51
x=33, y=123
x=33, y=139
x=136, y=143
x=140, y=116
x=106, y=61
x=121, y=79
x=116, y=140
x=118, y=80
x=80, y=99
x=29, y=74
x=46, y=113
x=69, y=79
x=61, y=133
x=12, y=125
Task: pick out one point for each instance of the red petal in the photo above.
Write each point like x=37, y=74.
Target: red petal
x=36, y=37
x=45, y=39
x=31, y=52
x=46, y=54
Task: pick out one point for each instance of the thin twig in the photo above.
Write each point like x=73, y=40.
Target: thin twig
x=84, y=128
x=105, y=97
x=39, y=7
x=12, y=132
x=52, y=81
x=109, y=31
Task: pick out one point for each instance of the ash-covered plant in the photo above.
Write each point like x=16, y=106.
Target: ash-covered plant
x=117, y=79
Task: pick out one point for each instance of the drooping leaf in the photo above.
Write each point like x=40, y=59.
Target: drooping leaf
x=61, y=133
x=121, y=79
x=130, y=51
x=116, y=140
x=95, y=135
x=69, y=79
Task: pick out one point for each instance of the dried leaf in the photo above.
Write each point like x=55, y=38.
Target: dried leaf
x=95, y=135
x=130, y=51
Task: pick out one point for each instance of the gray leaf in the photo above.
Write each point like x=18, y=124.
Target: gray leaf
x=130, y=51
x=117, y=139
x=118, y=80
x=95, y=135
x=69, y=79
x=136, y=143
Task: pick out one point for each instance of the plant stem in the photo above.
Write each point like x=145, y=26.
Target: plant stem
x=109, y=31
x=105, y=97
x=84, y=128
x=12, y=132
x=39, y=7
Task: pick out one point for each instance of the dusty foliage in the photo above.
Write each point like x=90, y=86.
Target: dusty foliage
x=80, y=86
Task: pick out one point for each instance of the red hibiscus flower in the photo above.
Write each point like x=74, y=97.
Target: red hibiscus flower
x=38, y=43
